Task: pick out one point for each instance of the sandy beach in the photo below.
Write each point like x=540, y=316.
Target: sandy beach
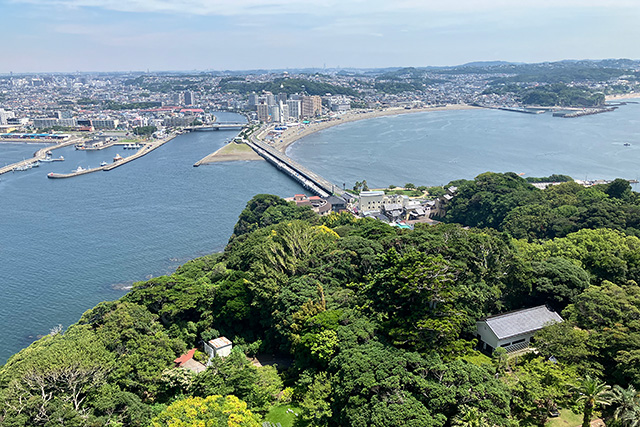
x=625, y=96
x=295, y=133
x=234, y=152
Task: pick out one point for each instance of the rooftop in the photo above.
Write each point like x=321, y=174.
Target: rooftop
x=521, y=321
x=220, y=342
x=180, y=361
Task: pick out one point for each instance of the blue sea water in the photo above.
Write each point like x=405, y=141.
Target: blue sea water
x=68, y=244
x=434, y=148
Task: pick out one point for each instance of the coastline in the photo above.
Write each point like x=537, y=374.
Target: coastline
x=229, y=153
x=624, y=96
x=293, y=134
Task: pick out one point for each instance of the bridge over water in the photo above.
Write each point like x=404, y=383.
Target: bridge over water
x=216, y=126
x=307, y=178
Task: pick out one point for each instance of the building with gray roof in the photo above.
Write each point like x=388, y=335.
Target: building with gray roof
x=514, y=328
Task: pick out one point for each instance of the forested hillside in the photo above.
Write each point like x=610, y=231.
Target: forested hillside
x=375, y=323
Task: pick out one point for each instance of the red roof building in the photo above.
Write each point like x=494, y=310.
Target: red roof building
x=180, y=361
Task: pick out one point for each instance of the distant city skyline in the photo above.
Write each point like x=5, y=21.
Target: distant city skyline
x=165, y=35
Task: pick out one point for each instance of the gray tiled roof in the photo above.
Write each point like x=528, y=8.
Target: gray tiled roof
x=521, y=321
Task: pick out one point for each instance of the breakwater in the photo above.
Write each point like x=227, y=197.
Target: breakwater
x=37, y=156
x=146, y=149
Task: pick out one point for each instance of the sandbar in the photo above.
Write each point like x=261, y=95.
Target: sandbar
x=230, y=152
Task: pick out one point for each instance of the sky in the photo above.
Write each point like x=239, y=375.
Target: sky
x=158, y=35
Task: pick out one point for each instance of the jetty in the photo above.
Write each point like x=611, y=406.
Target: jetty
x=37, y=156
x=143, y=151
x=582, y=112
x=307, y=178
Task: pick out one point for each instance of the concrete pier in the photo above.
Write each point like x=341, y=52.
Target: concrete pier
x=38, y=155
x=146, y=149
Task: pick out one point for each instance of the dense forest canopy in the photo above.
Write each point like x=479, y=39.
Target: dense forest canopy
x=376, y=322
x=552, y=95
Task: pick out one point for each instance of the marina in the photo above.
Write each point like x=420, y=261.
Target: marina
x=117, y=161
x=40, y=155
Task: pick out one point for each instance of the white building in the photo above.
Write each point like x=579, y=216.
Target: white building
x=105, y=123
x=274, y=112
x=370, y=201
x=219, y=347
x=284, y=112
x=515, y=329
x=295, y=109
x=5, y=115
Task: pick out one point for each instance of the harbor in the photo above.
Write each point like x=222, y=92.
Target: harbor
x=117, y=161
x=42, y=155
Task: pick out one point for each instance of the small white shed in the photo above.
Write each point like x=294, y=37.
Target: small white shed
x=219, y=347
x=513, y=328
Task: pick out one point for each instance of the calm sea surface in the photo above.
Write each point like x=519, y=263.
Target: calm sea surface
x=437, y=147
x=68, y=244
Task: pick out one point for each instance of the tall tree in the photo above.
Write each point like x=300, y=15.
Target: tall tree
x=592, y=392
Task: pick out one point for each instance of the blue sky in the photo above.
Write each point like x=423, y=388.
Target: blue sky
x=122, y=35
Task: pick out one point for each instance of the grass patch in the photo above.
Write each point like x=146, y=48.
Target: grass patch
x=567, y=418
x=279, y=414
x=233, y=148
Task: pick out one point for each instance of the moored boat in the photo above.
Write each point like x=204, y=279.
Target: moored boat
x=117, y=158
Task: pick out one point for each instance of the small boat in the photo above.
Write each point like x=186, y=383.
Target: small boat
x=35, y=164
x=117, y=158
x=79, y=169
x=25, y=167
x=103, y=164
x=49, y=153
x=626, y=144
x=61, y=158
x=47, y=159
x=137, y=146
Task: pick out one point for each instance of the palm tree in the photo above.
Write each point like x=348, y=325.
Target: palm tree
x=592, y=392
x=628, y=409
x=470, y=417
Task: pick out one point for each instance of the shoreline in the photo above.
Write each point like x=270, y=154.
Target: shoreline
x=623, y=96
x=293, y=134
x=230, y=152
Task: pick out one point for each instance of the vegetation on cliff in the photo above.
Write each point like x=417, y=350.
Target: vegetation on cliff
x=371, y=325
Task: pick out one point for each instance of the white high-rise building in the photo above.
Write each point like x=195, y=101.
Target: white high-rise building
x=295, y=109
x=274, y=112
x=5, y=115
x=284, y=112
